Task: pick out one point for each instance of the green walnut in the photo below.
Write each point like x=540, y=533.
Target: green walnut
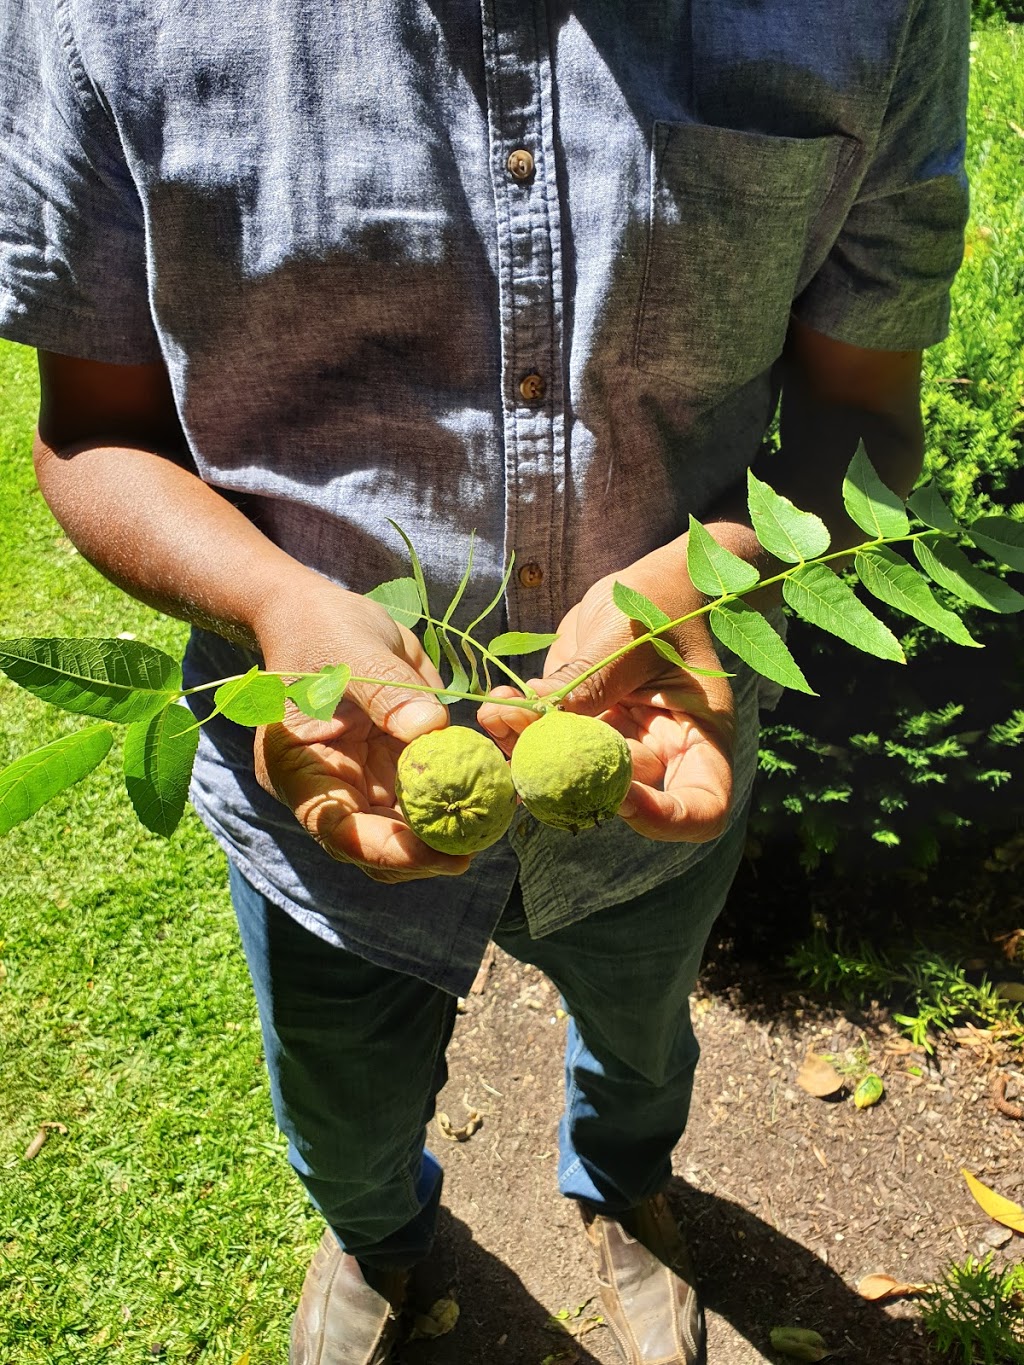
x=455, y=790
x=571, y=771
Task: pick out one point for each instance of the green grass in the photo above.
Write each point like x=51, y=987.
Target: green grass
x=167, y=1216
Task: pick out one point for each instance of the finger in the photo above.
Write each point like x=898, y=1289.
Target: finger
x=688, y=815
x=505, y=724
x=398, y=710
x=381, y=846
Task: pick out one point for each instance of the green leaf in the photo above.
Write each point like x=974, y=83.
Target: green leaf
x=875, y=508
x=1000, y=537
x=318, y=694
x=400, y=598
x=459, y=681
x=158, y=758
x=754, y=640
x=785, y=531
x=638, y=607
x=947, y=564
x=928, y=505
x=119, y=680
x=254, y=699
x=462, y=581
x=895, y=582
x=821, y=597
x=519, y=642
x=430, y=640
x=29, y=782
x=713, y=569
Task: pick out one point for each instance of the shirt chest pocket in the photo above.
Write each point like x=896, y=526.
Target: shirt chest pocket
x=737, y=229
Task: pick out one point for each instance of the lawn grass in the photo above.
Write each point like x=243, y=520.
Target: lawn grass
x=166, y=1225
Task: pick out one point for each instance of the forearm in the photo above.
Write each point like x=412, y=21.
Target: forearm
x=827, y=409
x=160, y=533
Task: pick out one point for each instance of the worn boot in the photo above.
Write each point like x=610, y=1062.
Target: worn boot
x=342, y=1320
x=648, y=1289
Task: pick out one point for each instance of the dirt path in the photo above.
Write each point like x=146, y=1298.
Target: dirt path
x=789, y=1200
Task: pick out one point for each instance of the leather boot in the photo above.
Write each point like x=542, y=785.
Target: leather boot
x=648, y=1288
x=342, y=1320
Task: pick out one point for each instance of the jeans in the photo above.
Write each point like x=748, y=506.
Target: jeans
x=356, y=1054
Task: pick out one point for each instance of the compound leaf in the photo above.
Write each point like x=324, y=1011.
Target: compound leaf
x=119, y=680
x=158, y=758
x=821, y=597
x=784, y=530
x=713, y=569
x=29, y=782
x=754, y=640
x=400, y=598
x=870, y=503
x=899, y=585
x=318, y=694
x=947, y=564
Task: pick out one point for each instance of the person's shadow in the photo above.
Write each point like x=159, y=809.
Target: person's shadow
x=751, y=1275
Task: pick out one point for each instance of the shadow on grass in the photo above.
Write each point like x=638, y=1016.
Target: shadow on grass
x=752, y=1276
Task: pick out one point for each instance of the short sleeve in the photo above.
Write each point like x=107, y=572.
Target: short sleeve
x=885, y=283
x=72, y=235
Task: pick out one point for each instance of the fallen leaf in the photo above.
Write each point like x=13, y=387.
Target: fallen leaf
x=1011, y=1109
x=997, y=1206
x=885, y=1287
x=869, y=1092
x=437, y=1322
x=453, y=1134
x=818, y=1076
x=799, y=1343
x=36, y=1145
x=1012, y=943
x=243, y=1359
x=1010, y=990
x=483, y=971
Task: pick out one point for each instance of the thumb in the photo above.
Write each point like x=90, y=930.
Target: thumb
x=600, y=690
x=390, y=701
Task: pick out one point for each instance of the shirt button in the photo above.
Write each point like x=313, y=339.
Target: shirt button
x=520, y=164
x=532, y=387
x=531, y=575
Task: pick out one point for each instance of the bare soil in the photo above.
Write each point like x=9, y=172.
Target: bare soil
x=787, y=1200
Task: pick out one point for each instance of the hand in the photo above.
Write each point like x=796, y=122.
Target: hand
x=338, y=776
x=679, y=726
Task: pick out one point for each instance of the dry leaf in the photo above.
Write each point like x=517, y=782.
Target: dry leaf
x=885, y=1287
x=1012, y=943
x=1010, y=990
x=997, y=1206
x=799, y=1343
x=1010, y=1108
x=453, y=1134
x=45, y=1129
x=818, y=1076
x=438, y=1322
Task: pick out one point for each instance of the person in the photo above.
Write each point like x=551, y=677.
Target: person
x=540, y=272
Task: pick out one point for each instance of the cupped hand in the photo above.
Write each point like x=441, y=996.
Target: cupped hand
x=338, y=776
x=678, y=725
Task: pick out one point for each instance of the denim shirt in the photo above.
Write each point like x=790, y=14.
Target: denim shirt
x=518, y=267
